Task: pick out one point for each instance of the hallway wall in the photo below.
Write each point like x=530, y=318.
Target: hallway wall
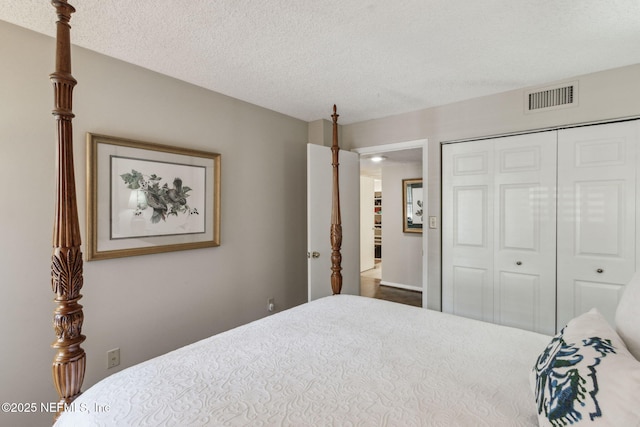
x=401, y=252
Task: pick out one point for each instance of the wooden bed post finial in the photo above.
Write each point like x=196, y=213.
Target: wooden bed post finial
x=66, y=261
x=336, y=221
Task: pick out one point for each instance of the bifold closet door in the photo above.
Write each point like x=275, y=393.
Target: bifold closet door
x=499, y=230
x=597, y=197
x=467, y=229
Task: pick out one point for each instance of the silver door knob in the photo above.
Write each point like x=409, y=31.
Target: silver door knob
x=599, y=270
x=313, y=254
x=518, y=262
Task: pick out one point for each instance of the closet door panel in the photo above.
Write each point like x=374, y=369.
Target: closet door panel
x=470, y=216
x=518, y=223
x=471, y=293
x=600, y=218
x=525, y=235
x=517, y=294
x=499, y=230
x=596, y=217
x=604, y=296
x=467, y=230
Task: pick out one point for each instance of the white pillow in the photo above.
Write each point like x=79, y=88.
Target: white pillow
x=586, y=376
x=628, y=316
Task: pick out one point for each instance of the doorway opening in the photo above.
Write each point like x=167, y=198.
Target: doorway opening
x=381, y=231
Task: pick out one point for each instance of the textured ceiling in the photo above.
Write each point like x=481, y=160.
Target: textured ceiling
x=371, y=58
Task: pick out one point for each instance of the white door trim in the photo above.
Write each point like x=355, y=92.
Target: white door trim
x=417, y=143
x=385, y=148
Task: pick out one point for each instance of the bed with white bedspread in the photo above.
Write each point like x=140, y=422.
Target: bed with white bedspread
x=341, y=360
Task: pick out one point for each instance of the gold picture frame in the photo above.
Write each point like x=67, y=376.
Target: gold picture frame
x=145, y=198
x=412, y=205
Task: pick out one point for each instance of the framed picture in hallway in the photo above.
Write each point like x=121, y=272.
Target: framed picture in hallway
x=412, y=205
x=145, y=198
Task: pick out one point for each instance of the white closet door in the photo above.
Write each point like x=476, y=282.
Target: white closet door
x=499, y=230
x=525, y=231
x=467, y=229
x=596, y=217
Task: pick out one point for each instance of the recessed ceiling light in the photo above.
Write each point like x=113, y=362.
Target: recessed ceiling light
x=378, y=158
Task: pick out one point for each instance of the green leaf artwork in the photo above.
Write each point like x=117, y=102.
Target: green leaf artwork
x=419, y=211
x=164, y=200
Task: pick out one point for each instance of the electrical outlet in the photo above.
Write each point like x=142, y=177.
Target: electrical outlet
x=271, y=305
x=113, y=358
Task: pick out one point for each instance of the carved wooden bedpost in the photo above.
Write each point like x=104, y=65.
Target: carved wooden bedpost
x=66, y=262
x=336, y=221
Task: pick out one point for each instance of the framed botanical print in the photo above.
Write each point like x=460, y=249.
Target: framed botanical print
x=145, y=198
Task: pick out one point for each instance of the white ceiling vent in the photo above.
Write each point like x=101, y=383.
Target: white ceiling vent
x=552, y=97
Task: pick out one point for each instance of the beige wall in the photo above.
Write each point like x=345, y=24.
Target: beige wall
x=149, y=304
x=320, y=132
x=401, y=252
x=602, y=96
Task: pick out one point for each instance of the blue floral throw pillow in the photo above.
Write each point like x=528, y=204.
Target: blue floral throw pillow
x=566, y=385
x=586, y=376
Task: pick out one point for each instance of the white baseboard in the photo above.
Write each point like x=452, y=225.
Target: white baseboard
x=401, y=286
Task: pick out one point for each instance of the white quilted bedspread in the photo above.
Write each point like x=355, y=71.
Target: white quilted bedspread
x=339, y=361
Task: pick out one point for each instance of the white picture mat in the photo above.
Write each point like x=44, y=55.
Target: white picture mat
x=104, y=153
x=127, y=222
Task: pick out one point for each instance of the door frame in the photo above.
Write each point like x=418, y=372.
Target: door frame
x=398, y=146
